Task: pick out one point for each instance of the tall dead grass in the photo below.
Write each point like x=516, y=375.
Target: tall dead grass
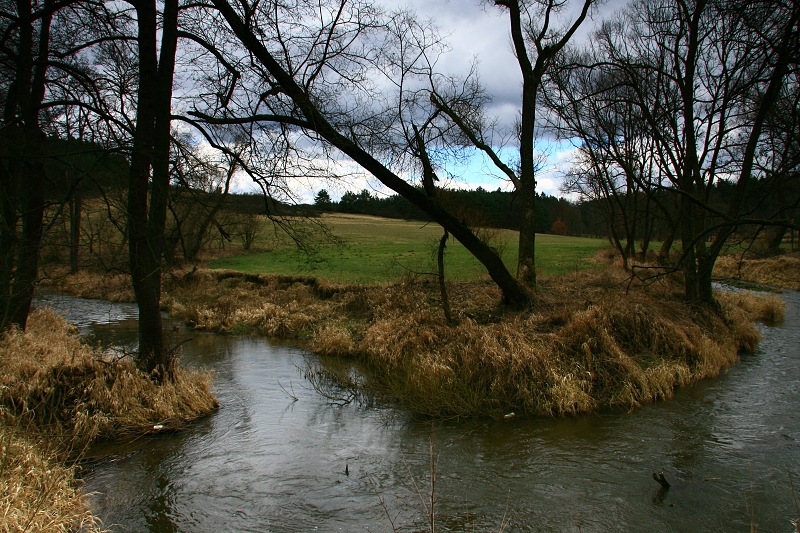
x=57, y=395
x=39, y=493
x=110, y=286
x=588, y=344
x=615, y=353
x=782, y=271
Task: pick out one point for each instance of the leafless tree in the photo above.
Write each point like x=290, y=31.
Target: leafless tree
x=537, y=40
x=704, y=77
x=590, y=105
x=42, y=63
x=342, y=79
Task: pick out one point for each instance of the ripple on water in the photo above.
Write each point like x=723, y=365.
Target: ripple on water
x=266, y=463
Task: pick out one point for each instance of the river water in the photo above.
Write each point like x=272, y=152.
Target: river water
x=267, y=462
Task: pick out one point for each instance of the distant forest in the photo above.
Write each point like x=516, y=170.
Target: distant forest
x=603, y=217
x=478, y=207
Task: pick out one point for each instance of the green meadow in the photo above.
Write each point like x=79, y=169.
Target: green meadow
x=374, y=250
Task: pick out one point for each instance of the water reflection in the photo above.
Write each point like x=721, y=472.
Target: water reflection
x=265, y=462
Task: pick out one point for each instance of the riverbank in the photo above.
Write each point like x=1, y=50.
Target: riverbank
x=57, y=396
x=274, y=456
x=781, y=271
x=592, y=341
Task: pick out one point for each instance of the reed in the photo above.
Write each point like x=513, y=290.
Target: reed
x=57, y=395
x=592, y=341
x=110, y=286
x=782, y=271
x=39, y=493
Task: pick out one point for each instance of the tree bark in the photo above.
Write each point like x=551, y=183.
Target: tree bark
x=526, y=263
x=32, y=203
x=74, y=232
x=24, y=184
x=448, y=314
x=532, y=74
x=151, y=150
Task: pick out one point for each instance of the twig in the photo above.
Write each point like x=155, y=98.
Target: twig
x=506, y=520
x=291, y=395
x=383, y=503
x=794, y=494
x=175, y=348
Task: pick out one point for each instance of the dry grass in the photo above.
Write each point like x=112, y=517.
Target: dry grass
x=767, y=308
x=57, y=395
x=39, y=493
x=113, y=287
x=782, y=271
x=614, y=352
x=50, y=379
x=586, y=345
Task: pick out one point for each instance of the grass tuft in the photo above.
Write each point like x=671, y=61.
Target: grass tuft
x=782, y=271
x=38, y=492
x=588, y=343
x=57, y=395
x=111, y=286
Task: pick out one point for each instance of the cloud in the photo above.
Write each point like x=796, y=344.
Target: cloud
x=342, y=176
x=475, y=30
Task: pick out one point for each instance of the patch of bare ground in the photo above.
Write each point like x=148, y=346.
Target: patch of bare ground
x=782, y=271
x=591, y=341
x=57, y=395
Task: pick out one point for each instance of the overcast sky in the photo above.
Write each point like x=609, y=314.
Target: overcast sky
x=477, y=30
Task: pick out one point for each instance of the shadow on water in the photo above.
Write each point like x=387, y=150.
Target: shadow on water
x=265, y=462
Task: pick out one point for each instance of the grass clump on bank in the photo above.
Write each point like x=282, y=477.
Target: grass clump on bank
x=782, y=271
x=39, y=492
x=57, y=395
x=111, y=286
x=586, y=345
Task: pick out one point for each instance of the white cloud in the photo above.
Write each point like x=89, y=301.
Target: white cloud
x=475, y=30
x=343, y=176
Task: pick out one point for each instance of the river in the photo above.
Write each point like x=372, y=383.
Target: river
x=278, y=457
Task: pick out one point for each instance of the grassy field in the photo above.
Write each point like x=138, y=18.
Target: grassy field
x=377, y=249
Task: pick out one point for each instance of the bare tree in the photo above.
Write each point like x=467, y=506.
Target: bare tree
x=617, y=166
x=537, y=42
x=147, y=213
x=314, y=79
x=41, y=46
x=704, y=77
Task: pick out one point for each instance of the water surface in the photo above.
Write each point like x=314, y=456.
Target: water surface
x=266, y=462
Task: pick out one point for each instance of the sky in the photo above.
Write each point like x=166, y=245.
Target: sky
x=477, y=30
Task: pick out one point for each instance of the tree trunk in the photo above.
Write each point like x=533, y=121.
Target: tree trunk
x=32, y=203
x=196, y=243
x=448, y=314
x=151, y=149
x=526, y=263
x=25, y=183
x=666, y=247
x=612, y=232
x=514, y=293
x=74, y=232
x=8, y=225
x=688, y=260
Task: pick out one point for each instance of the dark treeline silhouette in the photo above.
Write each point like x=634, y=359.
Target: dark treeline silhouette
x=636, y=218
x=479, y=207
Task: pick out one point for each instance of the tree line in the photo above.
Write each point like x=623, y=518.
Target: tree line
x=668, y=103
x=482, y=208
